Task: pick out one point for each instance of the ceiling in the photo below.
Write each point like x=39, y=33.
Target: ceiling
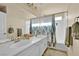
x=47, y=8
x=51, y=8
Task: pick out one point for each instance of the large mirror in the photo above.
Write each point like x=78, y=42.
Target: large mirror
x=54, y=26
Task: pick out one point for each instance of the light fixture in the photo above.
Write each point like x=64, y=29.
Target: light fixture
x=31, y=5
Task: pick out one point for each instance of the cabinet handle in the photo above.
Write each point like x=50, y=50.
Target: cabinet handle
x=44, y=44
x=4, y=33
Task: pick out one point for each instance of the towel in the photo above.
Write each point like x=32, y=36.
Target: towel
x=75, y=29
x=69, y=39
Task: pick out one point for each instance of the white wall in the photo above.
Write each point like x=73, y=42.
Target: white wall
x=73, y=11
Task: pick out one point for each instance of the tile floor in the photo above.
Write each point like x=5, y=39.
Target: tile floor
x=54, y=52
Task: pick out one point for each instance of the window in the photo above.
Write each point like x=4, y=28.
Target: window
x=41, y=24
x=58, y=18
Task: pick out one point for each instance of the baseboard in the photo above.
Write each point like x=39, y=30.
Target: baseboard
x=58, y=50
x=44, y=51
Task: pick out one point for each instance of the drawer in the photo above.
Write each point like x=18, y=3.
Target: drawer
x=30, y=51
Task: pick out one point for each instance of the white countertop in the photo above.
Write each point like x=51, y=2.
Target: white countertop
x=10, y=51
x=4, y=40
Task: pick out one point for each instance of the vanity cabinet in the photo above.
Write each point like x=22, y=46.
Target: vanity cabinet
x=30, y=51
x=43, y=46
x=37, y=49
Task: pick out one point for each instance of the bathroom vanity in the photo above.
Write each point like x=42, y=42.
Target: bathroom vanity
x=33, y=47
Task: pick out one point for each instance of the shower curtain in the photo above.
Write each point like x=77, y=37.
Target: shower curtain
x=69, y=39
x=53, y=35
x=30, y=26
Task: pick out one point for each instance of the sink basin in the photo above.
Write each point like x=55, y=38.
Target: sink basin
x=20, y=44
x=4, y=40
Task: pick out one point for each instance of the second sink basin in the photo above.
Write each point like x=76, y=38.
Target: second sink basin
x=20, y=44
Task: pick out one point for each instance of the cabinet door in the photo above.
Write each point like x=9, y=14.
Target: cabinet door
x=2, y=25
x=43, y=46
x=34, y=50
x=30, y=51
